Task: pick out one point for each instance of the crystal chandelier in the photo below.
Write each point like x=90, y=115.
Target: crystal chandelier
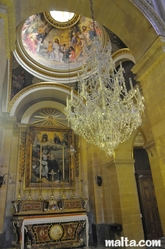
x=104, y=112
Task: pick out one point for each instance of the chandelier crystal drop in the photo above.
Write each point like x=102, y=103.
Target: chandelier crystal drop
x=104, y=112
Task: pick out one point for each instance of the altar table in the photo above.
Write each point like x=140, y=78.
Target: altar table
x=59, y=231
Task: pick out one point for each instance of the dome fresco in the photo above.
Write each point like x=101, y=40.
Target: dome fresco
x=52, y=51
x=56, y=48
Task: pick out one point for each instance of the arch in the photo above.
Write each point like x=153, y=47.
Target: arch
x=122, y=55
x=39, y=92
x=42, y=104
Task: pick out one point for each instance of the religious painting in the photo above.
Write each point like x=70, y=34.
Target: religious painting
x=20, y=78
x=49, y=157
x=55, y=48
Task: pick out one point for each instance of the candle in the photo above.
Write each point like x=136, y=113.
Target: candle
x=83, y=88
x=101, y=84
x=117, y=82
x=72, y=94
x=130, y=81
x=67, y=102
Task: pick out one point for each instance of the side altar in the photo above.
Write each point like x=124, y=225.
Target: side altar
x=55, y=223
x=49, y=161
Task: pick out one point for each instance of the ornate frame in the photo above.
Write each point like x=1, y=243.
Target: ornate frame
x=50, y=157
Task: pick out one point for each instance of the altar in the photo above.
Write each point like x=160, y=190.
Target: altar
x=57, y=228
x=48, y=167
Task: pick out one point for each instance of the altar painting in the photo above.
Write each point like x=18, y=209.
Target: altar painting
x=48, y=157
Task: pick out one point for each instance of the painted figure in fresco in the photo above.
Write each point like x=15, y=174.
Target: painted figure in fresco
x=64, y=50
x=31, y=20
x=41, y=32
x=31, y=42
x=86, y=37
x=72, y=56
x=77, y=44
x=50, y=50
x=18, y=82
x=93, y=29
x=58, y=55
x=39, y=44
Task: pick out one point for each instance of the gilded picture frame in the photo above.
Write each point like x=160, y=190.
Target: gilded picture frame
x=49, y=157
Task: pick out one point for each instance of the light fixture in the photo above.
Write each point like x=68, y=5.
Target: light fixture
x=98, y=180
x=61, y=16
x=105, y=113
x=2, y=179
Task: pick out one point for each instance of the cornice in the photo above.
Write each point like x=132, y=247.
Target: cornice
x=6, y=120
x=118, y=162
x=151, y=15
x=7, y=13
x=121, y=52
x=152, y=57
x=150, y=145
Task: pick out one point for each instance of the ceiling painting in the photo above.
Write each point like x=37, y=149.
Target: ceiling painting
x=56, y=48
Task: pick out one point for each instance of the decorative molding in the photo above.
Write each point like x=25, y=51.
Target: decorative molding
x=151, y=15
x=77, y=155
x=45, y=75
x=6, y=120
x=121, y=52
x=153, y=56
x=61, y=25
x=22, y=153
x=120, y=162
x=35, y=86
x=149, y=145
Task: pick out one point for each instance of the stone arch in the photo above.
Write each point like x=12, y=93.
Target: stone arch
x=38, y=93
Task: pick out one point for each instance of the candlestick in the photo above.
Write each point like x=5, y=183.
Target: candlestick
x=19, y=191
x=52, y=192
x=63, y=191
x=29, y=195
x=40, y=197
x=83, y=88
x=40, y=160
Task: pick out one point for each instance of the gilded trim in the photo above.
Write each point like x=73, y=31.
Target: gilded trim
x=35, y=86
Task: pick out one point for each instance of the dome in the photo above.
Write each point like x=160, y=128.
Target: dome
x=55, y=49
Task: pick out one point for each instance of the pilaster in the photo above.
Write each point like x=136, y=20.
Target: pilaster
x=7, y=125
x=151, y=74
x=127, y=199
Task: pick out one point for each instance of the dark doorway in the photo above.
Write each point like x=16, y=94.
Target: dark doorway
x=148, y=204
